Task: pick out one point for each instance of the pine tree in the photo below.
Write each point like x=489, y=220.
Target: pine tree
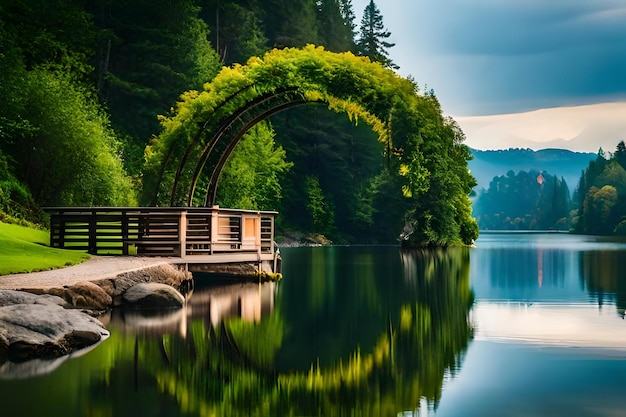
x=372, y=40
x=349, y=27
x=620, y=154
x=236, y=29
x=336, y=24
x=290, y=23
x=150, y=51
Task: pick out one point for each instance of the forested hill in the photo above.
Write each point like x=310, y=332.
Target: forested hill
x=561, y=163
x=94, y=91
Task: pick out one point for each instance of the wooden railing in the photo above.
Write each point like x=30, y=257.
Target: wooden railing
x=161, y=231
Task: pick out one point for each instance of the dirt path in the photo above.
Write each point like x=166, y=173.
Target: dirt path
x=98, y=267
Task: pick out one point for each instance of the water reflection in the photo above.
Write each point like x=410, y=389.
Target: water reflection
x=211, y=303
x=38, y=367
x=546, y=324
x=369, y=331
x=365, y=331
x=398, y=329
x=549, y=335
x=550, y=267
x=602, y=272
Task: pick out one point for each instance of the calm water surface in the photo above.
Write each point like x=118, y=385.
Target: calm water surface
x=521, y=325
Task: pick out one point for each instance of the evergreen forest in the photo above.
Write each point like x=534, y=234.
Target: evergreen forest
x=524, y=201
x=89, y=88
x=600, y=199
x=537, y=200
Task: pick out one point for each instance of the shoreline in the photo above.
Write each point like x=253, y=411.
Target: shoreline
x=94, y=269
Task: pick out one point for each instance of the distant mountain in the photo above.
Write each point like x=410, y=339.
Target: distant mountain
x=557, y=162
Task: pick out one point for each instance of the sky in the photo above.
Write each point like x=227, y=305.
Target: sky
x=517, y=73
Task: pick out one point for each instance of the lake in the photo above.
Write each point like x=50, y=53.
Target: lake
x=523, y=324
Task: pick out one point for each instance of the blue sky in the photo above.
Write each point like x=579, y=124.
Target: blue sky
x=487, y=58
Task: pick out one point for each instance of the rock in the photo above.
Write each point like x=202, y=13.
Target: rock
x=10, y=297
x=153, y=295
x=30, y=368
x=38, y=366
x=45, y=330
x=163, y=274
x=87, y=295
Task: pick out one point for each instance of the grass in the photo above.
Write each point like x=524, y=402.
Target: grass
x=23, y=249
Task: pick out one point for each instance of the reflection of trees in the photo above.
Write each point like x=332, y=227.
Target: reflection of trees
x=524, y=267
x=435, y=325
x=231, y=368
x=412, y=354
x=603, y=275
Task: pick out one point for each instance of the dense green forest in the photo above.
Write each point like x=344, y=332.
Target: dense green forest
x=88, y=88
x=563, y=163
x=533, y=200
x=524, y=201
x=600, y=199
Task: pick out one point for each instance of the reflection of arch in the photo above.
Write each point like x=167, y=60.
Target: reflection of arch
x=209, y=124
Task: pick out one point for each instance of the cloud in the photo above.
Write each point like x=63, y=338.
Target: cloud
x=580, y=128
x=494, y=56
x=520, y=27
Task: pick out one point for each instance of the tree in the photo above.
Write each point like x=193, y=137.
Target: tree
x=425, y=159
x=55, y=139
x=521, y=202
x=319, y=209
x=149, y=52
x=372, y=38
x=347, y=13
x=56, y=34
x=251, y=178
x=69, y=155
x=599, y=205
x=236, y=29
x=290, y=23
x=336, y=23
x=602, y=195
x=620, y=154
x=343, y=157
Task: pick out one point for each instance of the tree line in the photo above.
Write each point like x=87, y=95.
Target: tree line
x=526, y=200
x=600, y=199
x=533, y=200
x=87, y=85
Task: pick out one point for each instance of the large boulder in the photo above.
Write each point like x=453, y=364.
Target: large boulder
x=175, y=277
x=153, y=295
x=88, y=295
x=10, y=297
x=33, y=327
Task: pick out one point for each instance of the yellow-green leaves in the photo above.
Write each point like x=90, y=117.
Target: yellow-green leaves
x=423, y=149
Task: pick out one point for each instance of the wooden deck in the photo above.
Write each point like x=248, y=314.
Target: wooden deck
x=194, y=234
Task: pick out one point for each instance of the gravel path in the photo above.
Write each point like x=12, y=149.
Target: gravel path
x=96, y=268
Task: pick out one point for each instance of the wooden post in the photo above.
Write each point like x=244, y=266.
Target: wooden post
x=182, y=233
x=124, y=225
x=215, y=214
x=57, y=226
x=93, y=245
x=272, y=248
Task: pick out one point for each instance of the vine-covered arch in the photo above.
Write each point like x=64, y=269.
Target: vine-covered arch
x=205, y=126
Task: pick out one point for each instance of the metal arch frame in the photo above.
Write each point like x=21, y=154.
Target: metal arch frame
x=222, y=128
x=194, y=140
x=288, y=96
x=211, y=190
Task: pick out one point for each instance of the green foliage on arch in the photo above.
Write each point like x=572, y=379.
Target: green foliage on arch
x=427, y=161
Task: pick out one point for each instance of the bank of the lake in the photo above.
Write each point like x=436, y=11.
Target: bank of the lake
x=25, y=249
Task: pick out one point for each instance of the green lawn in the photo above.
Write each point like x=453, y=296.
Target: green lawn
x=25, y=250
